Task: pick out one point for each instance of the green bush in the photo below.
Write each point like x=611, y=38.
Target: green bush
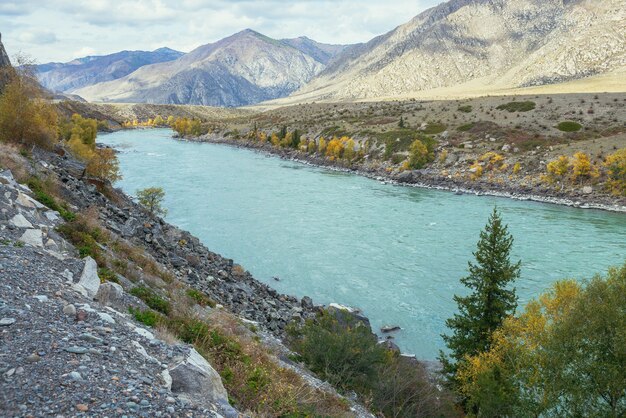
x=200, y=298
x=466, y=127
x=43, y=197
x=151, y=299
x=517, y=106
x=434, y=128
x=344, y=352
x=569, y=126
x=346, y=356
x=107, y=275
x=465, y=109
x=85, y=238
x=147, y=317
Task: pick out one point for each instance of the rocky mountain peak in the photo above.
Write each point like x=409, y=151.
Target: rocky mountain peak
x=4, y=57
x=481, y=45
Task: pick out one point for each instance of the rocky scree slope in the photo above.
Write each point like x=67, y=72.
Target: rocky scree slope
x=221, y=279
x=481, y=45
x=242, y=69
x=69, y=76
x=63, y=353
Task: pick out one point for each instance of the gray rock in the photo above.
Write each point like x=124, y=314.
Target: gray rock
x=75, y=376
x=76, y=350
x=32, y=237
x=195, y=380
x=69, y=310
x=306, y=302
x=89, y=279
x=112, y=294
x=20, y=221
x=7, y=321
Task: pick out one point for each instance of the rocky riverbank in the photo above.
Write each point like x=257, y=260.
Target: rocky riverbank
x=69, y=345
x=584, y=197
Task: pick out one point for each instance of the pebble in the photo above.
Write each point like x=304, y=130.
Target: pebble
x=90, y=338
x=41, y=298
x=76, y=350
x=75, y=376
x=82, y=407
x=7, y=321
x=169, y=399
x=69, y=310
x=33, y=358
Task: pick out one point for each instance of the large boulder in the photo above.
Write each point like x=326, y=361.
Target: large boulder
x=89, y=279
x=194, y=380
x=347, y=316
x=112, y=294
x=32, y=237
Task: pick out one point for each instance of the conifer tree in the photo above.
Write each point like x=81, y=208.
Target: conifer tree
x=491, y=301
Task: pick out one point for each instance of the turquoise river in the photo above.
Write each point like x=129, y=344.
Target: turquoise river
x=395, y=252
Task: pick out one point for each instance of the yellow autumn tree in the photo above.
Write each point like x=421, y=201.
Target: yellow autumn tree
x=334, y=149
x=275, y=139
x=492, y=160
x=582, y=168
x=27, y=117
x=509, y=379
x=158, y=121
x=104, y=165
x=557, y=169
x=349, y=151
x=321, y=146
x=615, y=165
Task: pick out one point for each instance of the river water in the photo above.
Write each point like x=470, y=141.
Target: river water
x=395, y=252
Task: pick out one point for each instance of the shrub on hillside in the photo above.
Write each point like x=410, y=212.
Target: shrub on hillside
x=517, y=106
x=569, y=126
x=343, y=351
x=616, y=172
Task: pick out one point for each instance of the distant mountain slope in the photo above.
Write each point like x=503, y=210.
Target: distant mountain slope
x=242, y=69
x=319, y=52
x=501, y=43
x=5, y=63
x=81, y=72
x=4, y=57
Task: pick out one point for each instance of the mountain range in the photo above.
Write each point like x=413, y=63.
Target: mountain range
x=81, y=72
x=482, y=45
x=459, y=45
x=242, y=69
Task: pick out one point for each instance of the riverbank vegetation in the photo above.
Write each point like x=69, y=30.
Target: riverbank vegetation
x=28, y=119
x=563, y=355
x=343, y=351
x=526, y=132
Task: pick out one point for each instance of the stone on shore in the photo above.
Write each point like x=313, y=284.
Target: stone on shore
x=89, y=279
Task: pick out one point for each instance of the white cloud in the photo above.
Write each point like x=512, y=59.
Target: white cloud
x=109, y=26
x=38, y=37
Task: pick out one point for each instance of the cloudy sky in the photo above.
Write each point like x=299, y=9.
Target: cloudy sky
x=60, y=30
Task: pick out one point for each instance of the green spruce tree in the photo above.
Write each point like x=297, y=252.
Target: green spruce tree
x=491, y=301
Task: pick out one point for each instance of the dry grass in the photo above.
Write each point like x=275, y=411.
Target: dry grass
x=251, y=374
x=11, y=159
